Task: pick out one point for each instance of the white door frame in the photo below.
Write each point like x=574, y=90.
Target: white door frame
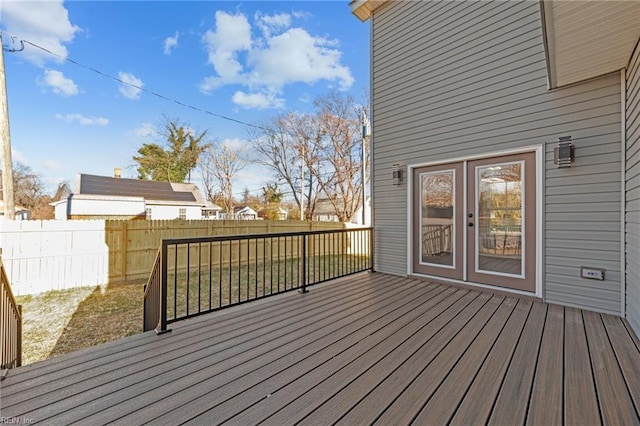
x=539, y=267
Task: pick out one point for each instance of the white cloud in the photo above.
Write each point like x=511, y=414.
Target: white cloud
x=81, y=119
x=266, y=64
x=235, y=144
x=146, y=130
x=51, y=165
x=131, y=85
x=232, y=35
x=257, y=100
x=296, y=56
x=170, y=43
x=270, y=23
x=58, y=83
x=44, y=23
x=17, y=156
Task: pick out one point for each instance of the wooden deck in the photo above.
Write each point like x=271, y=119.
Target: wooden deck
x=370, y=348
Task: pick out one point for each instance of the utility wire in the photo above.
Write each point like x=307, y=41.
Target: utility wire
x=151, y=92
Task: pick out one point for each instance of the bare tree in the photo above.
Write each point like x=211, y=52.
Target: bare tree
x=323, y=149
x=288, y=145
x=222, y=163
x=30, y=192
x=341, y=181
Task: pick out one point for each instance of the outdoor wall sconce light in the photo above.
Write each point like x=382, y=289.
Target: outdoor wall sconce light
x=563, y=154
x=397, y=174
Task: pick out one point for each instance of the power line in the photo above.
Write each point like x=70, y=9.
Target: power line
x=151, y=92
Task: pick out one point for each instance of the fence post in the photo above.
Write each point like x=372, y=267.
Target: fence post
x=162, y=326
x=304, y=264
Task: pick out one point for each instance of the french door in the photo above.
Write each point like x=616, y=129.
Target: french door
x=475, y=221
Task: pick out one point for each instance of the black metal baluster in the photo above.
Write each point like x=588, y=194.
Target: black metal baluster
x=199, y=276
x=175, y=280
x=210, y=270
x=220, y=266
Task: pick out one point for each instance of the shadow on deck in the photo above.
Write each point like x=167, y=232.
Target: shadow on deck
x=365, y=348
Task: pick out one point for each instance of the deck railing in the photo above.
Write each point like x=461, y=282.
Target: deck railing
x=10, y=325
x=194, y=276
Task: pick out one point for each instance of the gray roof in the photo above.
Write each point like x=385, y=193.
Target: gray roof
x=150, y=190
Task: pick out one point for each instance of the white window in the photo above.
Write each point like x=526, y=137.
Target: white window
x=182, y=215
x=148, y=213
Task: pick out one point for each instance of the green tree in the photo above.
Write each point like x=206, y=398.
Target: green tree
x=175, y=162
x=272, y=198
x=272, y=195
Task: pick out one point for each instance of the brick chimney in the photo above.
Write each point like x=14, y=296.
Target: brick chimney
x=116, y=172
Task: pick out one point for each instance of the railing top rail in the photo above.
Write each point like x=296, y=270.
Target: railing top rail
x=235, y=237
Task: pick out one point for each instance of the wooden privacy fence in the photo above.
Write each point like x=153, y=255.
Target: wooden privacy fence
x=53, y=255
x=133, y=244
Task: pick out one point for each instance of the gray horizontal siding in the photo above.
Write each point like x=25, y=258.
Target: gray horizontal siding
x=632, y=215
x=457, y=79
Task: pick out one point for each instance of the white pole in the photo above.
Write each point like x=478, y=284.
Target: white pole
x=7, y=163
x=302, y=185
x=365, y=134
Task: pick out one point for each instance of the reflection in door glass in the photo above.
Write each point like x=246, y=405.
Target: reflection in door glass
x=499, y=231
x=437, y=212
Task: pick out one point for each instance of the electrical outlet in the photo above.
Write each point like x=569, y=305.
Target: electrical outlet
x=592, y=273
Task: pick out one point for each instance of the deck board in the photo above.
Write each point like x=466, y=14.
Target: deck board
x=409, y=403
x=546, y=406
x=581, y=400
x=616, y=407
x=218, y=364
x=478, y=402
x=329, y=373
x=513, y=399
x=443, y=404
x=366, y=348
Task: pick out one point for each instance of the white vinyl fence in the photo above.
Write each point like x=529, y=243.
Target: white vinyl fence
x=53, y=255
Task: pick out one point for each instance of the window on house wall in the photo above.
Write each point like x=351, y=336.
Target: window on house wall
x=182, y=214
x=148, y=210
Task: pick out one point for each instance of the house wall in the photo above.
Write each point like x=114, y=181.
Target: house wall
x=459, y=79
x=633, y=190
x=77, y=207
x=164, y=212
x=60, y=211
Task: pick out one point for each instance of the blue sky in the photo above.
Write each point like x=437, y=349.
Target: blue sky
x=248, y=61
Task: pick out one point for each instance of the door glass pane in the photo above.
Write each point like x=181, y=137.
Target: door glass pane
x=499, y=212
x=437, y=213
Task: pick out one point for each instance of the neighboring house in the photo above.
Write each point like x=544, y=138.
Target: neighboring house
x=277, y=213
x=101, y=197
x=469, y=103
x=245, y=213
x=211, y=211
x=21, y=213
x=325, y=211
